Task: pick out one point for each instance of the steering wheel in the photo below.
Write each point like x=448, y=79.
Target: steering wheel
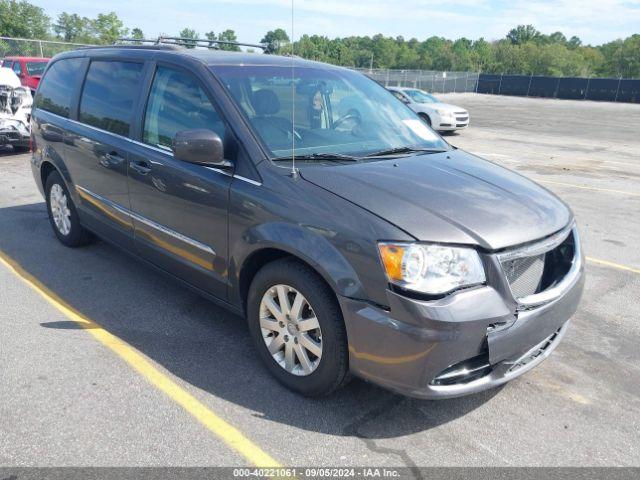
x=347, y=117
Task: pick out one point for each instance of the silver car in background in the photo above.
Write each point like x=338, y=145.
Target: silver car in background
x=442, y=117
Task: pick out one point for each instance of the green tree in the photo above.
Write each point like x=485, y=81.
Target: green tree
x=574, y=42
x=484, y=55
x=557, y=37
x=189, y=33
x=229, y=36
x=523, y=34
x=107, y=28
x=22, y=19
x=137, y=33
x=622, y=57
x=211, y=36
x=71, y=27
x=275, y=39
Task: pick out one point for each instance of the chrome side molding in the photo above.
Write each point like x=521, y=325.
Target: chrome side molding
x=156, y=226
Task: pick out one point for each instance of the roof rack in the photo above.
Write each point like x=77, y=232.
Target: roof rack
x=188, y=42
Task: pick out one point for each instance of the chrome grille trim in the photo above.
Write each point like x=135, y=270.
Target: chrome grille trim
x=536, y=299
x=537, y=248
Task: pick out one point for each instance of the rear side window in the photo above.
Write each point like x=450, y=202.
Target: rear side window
x=176, y=103
x=36, y=68
x=57, y=87
x=109, y=95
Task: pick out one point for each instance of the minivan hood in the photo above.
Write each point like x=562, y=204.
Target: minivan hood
x=450, y=197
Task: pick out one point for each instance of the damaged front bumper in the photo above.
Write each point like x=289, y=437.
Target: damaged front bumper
x=15, y=133
x=467, y=342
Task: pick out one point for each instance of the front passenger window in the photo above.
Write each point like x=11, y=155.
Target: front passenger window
x=177, y=103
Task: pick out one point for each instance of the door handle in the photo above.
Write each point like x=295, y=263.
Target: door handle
x=140, y=166
x=111, y=159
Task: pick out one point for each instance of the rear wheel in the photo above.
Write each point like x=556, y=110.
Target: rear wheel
x=62, y=213
x=297, y=326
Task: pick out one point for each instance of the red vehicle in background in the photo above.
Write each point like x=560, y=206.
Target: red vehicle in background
x=28, y=69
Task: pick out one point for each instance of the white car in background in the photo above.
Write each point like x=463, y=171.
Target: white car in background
x=15, y=111
x=442, y=117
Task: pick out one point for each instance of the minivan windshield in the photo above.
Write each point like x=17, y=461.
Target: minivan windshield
x=421, y=97
x=335, y=111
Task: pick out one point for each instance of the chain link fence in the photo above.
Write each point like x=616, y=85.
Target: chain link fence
x=23, y=47
x=428, y=80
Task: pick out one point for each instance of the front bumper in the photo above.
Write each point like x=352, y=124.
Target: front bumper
x=11, y=136
x=408, y=346
x=450, y=123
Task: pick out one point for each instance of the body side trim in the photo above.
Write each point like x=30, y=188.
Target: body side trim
x=146, y=221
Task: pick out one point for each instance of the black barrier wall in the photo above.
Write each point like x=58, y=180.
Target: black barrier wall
x=574, y=88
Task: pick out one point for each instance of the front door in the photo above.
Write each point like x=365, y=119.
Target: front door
x=179, y=210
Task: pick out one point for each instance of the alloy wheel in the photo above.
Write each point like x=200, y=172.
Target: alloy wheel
x=290, y=330
x=60, y=209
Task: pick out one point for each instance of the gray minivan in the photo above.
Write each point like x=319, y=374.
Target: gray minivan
x=308, y=199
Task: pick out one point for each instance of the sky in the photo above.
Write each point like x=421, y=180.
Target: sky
x=594, y=21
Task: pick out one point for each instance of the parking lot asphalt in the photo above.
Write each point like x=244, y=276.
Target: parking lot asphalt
x=69, y=396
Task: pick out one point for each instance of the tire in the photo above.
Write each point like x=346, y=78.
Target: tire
x=71, y=234
x=331, y=368
x=21, y=149
x=425, y=118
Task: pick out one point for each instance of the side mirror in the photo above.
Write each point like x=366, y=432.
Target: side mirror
x=200, y=146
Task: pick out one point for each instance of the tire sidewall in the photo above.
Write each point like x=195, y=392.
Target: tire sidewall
x=334, y=349
x=75, y=235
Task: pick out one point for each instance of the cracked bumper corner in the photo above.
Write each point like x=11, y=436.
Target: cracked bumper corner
x=406, y=347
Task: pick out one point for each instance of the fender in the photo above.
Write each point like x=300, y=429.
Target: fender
x=309, y=244
x=49, y=149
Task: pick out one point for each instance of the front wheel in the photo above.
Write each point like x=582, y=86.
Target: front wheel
x=296, y=325
x=425, y=118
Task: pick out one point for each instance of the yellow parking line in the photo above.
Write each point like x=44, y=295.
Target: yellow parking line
x=607, y=263
x=222, y=429
x=586, y=187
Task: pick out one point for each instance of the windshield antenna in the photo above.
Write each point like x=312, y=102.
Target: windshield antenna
x=294, y=172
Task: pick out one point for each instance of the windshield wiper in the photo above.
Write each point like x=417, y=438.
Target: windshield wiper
x=400, y=150
x=318, y=156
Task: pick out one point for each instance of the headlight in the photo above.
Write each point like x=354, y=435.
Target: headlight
x=443, y=113
x=431, y=269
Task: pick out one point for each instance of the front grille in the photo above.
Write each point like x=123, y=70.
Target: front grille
x=524, y=274
x=535, y=268
x=10, y=135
